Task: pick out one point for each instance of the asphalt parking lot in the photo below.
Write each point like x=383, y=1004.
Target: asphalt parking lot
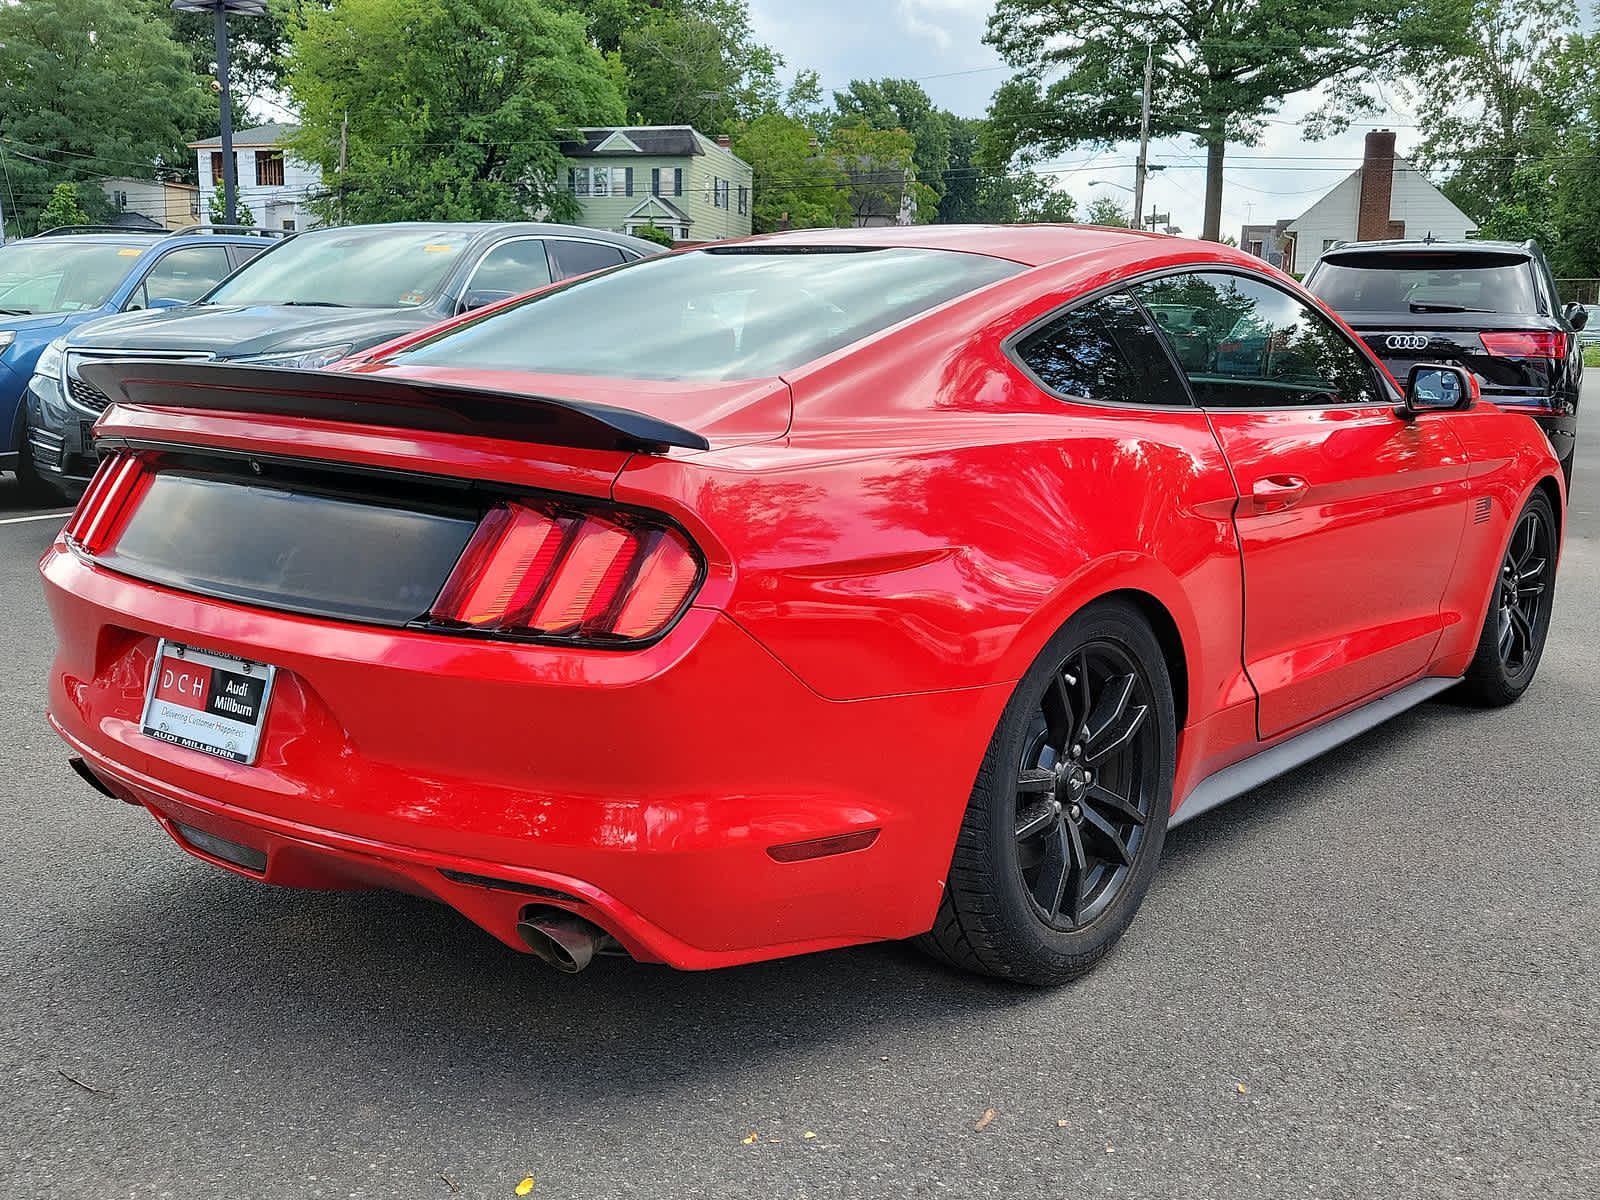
x=1374, y=977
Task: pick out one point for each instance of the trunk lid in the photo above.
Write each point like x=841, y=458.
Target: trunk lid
x=1401, y=340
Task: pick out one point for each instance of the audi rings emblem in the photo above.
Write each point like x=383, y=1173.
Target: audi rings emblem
x=1405, y=341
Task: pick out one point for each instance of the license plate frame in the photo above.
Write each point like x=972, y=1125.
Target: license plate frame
x=206, y=701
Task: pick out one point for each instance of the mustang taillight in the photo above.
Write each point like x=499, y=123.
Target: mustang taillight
x=1525, y=345
x=115, y=491
x=552, y=572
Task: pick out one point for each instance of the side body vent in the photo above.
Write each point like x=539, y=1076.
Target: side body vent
x=1481, y=509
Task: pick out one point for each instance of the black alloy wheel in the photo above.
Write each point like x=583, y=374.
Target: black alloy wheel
x=1063, y=829
x=1085, y=784
x=1514, y=629
x=1525, y=580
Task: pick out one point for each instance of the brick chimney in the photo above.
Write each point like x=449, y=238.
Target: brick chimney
x=1377, y=186
x=726, y=142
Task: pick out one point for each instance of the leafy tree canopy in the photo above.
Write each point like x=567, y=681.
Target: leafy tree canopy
x=901, y=104
x=258, y=48
x=457, y=108
x=1103, y=210
x=90, y=88
x=880, y=174
x=1220, y=69
x=698, y=64
x=796, y=185
x=63, y=208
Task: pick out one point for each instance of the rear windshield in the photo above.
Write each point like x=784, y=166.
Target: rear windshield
x=1426, y=282
x=730, y=313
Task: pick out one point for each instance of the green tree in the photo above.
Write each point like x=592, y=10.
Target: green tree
x=90, y=88
x=1220, y=69
x=901, y=104
x=880, y=174
x=796, y=186
x=457, y=108
x=607, y=21
x=63, y=208
x=1103, y=210
x=1037, y=199
x=1509, y=67
x=219, y=212
x=1575, y=204
x=700, y=65
x=258, y=48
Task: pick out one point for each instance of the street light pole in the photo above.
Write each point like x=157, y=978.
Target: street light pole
x=230, y=175
x=219, y=10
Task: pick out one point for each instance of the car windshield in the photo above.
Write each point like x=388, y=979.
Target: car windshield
x=1423, y=281
x=395, y=267
x=730, y=313
x=57, y=274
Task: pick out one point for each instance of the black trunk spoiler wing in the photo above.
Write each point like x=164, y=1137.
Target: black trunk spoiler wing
x=385, y=401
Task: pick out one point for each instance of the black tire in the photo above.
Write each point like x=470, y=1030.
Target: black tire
x=992, y=918
x=1514, y=629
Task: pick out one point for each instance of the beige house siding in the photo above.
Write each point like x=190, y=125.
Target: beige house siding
x=707, y=221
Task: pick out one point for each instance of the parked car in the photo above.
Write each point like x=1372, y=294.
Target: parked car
x=1490, y=307
x=318, y=297
x=776, y=596
x=60, y=279
x=1589, y=331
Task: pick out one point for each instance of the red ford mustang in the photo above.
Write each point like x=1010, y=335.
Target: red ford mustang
x=789, y=594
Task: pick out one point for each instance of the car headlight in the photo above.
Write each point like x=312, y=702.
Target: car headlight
x=7, y=336
x=308, y=360
x=52, y=362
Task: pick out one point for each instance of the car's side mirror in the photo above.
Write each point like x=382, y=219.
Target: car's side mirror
x=1435, y=387
x=482, y=298
x=1577, y=315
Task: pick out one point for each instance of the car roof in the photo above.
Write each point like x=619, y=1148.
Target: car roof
x=1030, y=245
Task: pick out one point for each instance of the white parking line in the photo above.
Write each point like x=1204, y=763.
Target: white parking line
x=60, y=516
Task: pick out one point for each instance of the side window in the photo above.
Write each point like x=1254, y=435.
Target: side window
x=512, y=268
x=579, y=258
x=1104, y=352
x=243, y=254
x=1245, y=344
x=185, y=275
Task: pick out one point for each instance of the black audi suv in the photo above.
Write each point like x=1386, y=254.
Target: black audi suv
x=1491, y=307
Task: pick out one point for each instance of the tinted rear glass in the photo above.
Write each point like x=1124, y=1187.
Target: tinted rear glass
x=713, y=314
x=1426, y=281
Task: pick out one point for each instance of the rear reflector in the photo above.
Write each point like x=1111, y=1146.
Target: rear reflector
x=842, y=843
x=547, y=571
x=110, y=500
x=1525, y=345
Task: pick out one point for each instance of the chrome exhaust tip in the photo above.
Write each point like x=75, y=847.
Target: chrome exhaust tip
x=566, y=942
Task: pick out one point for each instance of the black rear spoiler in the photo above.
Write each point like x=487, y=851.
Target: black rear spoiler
x=385, y=401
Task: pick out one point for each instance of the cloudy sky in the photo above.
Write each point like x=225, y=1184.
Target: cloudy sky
x=940, y=43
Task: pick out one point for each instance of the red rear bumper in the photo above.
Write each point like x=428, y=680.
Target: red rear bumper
x=645, y=787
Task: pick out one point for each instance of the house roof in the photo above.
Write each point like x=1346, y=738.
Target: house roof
x=667, y=208
x=261, y=135
x=650, y=139
x=1352, y=181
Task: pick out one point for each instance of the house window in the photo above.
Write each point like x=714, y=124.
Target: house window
x=120, y=199
x=288, y=225
x=580, y=181
x=744, y=200
x=1255, y=248
x=1329, y=243
x=216, y=166
x=600, y=181
x=269, y=168
x=719, y=195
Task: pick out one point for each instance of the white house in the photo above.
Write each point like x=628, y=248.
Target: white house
x=1386, y=197
x=159, y=201
x=272, y=185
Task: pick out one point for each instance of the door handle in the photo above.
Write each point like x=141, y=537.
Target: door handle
x=1276, y=492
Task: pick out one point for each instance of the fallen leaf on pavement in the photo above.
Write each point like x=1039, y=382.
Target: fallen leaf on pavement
x=809, y=1135
x=983, y=1121
x=752, y=1139
x=525, y=1186
x=1243, y=1091
x=1062, y=1123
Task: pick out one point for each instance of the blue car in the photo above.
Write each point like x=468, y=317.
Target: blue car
x=56, y=281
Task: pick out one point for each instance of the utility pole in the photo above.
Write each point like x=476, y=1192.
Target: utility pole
x=220, y=10
x=1142, y=167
